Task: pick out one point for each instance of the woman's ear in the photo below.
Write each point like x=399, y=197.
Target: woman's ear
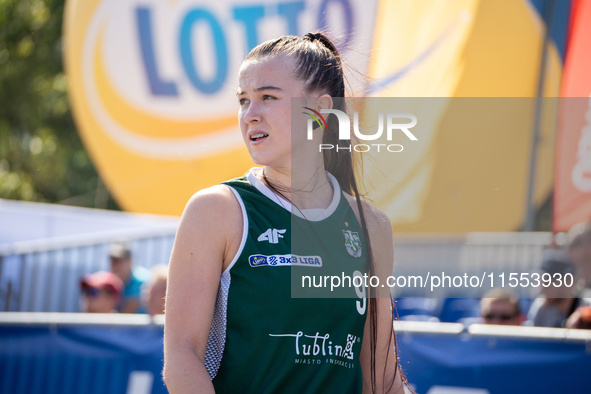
x=324, y=102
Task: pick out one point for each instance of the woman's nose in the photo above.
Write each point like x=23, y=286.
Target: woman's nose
x=252, y=114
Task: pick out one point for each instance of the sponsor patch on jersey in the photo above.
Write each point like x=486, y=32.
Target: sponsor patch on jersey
x=259, y=260
x=319, y=346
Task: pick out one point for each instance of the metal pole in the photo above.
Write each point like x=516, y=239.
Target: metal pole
x=530, y=212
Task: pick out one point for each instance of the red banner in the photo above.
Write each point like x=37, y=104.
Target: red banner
x=572, y=189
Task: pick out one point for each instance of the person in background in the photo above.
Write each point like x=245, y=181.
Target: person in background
x=581, y=318
x=555, y=304
x=132, y=277
x=579, y=251
x=101, y=292
x=500, y=306
x=154, y=291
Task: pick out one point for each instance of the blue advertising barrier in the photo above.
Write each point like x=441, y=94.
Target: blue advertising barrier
x=438, y=358
x=475, y=364
x=56, y=359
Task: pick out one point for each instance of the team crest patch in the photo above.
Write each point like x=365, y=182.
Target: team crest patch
x=352, y=243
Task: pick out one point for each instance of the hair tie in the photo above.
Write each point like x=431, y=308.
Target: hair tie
x=323, y=40
x=313, y=36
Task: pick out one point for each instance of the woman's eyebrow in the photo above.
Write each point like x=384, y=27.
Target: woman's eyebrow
x=268, y=87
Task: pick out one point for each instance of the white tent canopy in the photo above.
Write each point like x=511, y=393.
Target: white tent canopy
x=26, y=221
x=46, y=248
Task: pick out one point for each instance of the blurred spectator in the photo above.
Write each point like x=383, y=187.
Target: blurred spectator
x=500, y=306
x=101, y=292
x=154, y=291
x=555, y=304
x=579, y=250
x=132, y=277
x=581, y=318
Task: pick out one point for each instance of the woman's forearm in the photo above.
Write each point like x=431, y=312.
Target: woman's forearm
x=185, y=373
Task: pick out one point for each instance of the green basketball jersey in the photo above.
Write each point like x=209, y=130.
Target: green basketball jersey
x=262, y=339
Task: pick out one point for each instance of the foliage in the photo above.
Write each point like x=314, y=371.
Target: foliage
x=41, y=155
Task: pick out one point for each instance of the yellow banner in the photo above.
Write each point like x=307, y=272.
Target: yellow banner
x=152, y=85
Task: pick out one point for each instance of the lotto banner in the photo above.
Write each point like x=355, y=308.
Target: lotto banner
x=153, y=85
x=124, y=360
x=572, y=202
x=153, y=88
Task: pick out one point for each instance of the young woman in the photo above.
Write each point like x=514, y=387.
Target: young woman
x=232, y=325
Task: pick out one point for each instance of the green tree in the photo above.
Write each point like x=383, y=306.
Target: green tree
x=41, y=154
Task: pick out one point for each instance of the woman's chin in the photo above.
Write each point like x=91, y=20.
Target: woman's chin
x=270, y=160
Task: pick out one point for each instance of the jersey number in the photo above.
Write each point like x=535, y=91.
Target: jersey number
x=360, y=291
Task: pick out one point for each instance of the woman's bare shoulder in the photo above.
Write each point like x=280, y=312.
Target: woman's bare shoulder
x=213, y=202
x=215, y=214
x=375, y=218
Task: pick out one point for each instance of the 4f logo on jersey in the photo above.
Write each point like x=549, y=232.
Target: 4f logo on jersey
x=352, y=243
x=272, y=235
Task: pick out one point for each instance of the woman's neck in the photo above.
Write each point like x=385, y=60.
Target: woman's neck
x=304, y=189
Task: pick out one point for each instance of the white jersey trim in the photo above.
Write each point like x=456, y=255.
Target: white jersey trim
x=314, y=214
x=244, y=229
x=265, y=190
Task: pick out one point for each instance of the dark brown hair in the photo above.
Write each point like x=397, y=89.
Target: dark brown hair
x=320, y=66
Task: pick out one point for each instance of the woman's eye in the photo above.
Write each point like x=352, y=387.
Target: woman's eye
x=243, y=101
x=267, y=97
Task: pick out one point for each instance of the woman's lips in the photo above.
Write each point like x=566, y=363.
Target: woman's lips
x=257, y=137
